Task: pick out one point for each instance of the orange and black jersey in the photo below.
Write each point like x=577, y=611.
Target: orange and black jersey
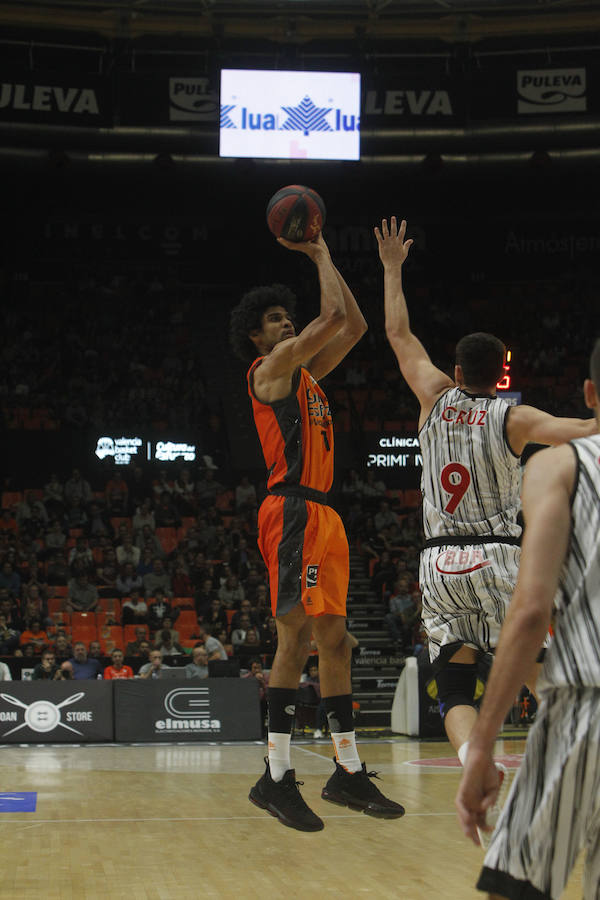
x=296, y=433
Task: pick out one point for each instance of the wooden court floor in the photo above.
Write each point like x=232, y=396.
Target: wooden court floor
x=164, y=822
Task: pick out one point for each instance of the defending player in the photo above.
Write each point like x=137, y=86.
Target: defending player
x=301, y=538
x=553, y=810
x=471, y=441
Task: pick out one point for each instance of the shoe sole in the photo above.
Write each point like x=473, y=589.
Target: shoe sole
x=381, y=813
x=273, y=811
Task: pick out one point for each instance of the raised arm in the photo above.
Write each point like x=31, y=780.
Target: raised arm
x=272, y=377
x=425, y=380
x=342, y=342
x=547, y=486
x=528, y=425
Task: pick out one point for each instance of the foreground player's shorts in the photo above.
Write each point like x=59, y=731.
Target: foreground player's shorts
x=553, y=808
x=305, y=549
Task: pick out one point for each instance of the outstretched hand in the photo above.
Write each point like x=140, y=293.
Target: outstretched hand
x=477, y=792
x=310, y=248
x=392, y=246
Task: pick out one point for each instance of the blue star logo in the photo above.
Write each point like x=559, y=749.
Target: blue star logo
x=225, y=120
x=306, y=117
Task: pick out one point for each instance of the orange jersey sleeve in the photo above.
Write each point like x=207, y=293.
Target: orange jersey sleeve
x=296, y=433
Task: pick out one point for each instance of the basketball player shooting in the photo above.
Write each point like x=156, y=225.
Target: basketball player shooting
x=471, y=443
x=301, y=538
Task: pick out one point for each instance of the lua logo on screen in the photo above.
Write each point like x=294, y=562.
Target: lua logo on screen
x=276, y=114
x=305, y=117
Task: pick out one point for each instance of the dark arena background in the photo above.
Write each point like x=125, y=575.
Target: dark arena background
x=126, y=241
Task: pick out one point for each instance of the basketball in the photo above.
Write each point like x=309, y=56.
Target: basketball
x=296, y=213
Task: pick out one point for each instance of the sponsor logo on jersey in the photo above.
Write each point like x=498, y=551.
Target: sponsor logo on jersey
x=312, y=574
x=461, y=562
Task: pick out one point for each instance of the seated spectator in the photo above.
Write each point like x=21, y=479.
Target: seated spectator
x=127, y=552
x=241, y=559
x=55, y=538
x=155, y=667
x=9, y=637
x=62, y=648
x=133, y=648
x=198, y=668
x=182, y=586
x=10, y=579
x=139, y=488
x=54, y=496
x=82, y=596
x=83, y=668
x=81, y=558
x=245, y=496
x=157, y=578
x=161, y=485
x=35, y=635
x=262, y=678
x=165, y=512
x=144, y=517
x=167, y=625
x=231, y=593
x=238, y=637
x=268, y=636
x=128, y=581
x=65, y=671
x=373, y=487
x=76, y=516
x=184, y=493
x=158, y=608
x=5, y=673
x=385, y=516
x=134, y=610
x=199, y=569
x=247, y=610
x=352, y=486
x=212, y=645
x=98, y=524
x=262, y=603
x=208, y=489
x=28, y=651
x=167, y=646
x=384, y=572
x=312, y=678
x=106, y=574
x=77, y=488
x=147, y=540
x=116, y=494
x=146, y=563
x=57, y=571
x=403, y=614
x=47, y=668
x=216, y=616
x=117, y=668
x=30, y=507
x=223, y=637
x=95, y=650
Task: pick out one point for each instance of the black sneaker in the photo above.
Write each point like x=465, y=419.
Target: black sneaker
x=354, y=789
x=283, y=800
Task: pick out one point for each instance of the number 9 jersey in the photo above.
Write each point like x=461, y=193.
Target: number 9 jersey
x=471, y=477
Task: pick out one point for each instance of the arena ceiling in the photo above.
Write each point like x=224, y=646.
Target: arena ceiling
x=300, y=21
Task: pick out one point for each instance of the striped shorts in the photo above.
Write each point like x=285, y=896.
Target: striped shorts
x=466, y=592
x=553, y=808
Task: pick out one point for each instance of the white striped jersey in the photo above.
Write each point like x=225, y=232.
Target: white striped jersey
x=471, y=477
x=573, y=658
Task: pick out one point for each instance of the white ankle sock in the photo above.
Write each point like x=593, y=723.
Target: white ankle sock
x=462, y=752
x=279, y=754
x=346, y=753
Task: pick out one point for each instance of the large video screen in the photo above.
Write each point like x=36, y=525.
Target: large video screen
x=289, y=115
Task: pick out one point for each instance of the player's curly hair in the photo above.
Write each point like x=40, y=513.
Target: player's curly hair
x=247, y=316
x=481, y=357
